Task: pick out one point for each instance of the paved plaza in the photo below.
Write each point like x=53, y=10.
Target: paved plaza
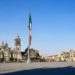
x=52, y=68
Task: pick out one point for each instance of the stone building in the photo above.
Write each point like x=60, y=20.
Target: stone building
x=34, y=55
x=17, y=49
x=68, y=56
x=62, y=57
x=8, y=54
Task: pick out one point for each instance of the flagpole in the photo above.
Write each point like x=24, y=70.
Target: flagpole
x=28, y=60
x=30, y=29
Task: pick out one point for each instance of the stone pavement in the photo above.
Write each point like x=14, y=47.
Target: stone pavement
x=15, y=67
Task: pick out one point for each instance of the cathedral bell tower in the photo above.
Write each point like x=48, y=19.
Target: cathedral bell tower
x=17, y=44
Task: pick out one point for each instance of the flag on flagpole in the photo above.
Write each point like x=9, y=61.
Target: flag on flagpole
x=30, y=29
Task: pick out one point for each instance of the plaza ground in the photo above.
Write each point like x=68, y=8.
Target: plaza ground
x=44, y=68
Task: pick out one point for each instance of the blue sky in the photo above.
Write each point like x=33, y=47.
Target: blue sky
x=53, y=24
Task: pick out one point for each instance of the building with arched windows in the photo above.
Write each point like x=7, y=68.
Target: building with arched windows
x=11, y=54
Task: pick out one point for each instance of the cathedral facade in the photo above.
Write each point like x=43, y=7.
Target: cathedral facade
x=8, y=54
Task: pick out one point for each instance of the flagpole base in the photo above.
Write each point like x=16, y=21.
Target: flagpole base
x=28, y=61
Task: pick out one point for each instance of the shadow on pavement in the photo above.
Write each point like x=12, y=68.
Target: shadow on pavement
x=46, y=71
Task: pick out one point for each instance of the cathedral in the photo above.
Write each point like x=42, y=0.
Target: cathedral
x=15, y=54
x=8, y=54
